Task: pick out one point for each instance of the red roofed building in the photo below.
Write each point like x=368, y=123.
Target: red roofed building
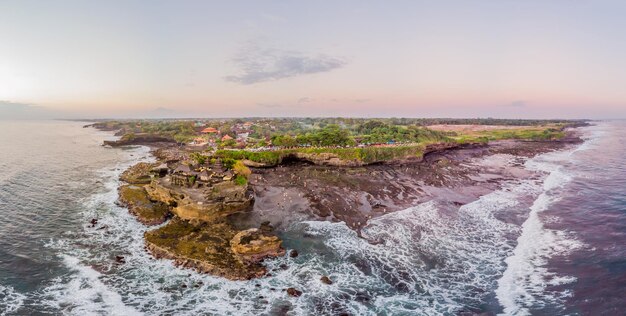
x=209, y=130
x=226, y=137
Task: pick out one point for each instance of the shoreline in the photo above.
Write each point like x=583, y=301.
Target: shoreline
x=299, y=190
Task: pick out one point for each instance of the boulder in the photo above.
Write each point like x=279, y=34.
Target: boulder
x=293, y=292
x=326, y=280
x=252, y=246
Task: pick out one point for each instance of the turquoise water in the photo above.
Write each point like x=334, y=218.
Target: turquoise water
x=539, y=247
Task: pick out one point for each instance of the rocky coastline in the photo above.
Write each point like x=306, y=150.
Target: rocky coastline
x=217, y=226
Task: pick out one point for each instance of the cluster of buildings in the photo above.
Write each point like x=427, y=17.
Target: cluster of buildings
x=211, y=135
x=199, y=176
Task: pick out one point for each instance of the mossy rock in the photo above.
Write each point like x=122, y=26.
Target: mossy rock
x=139, y=204
x=202, y=246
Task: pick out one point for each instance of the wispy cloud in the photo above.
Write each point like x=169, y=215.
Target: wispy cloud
x=258, y=64
x=305, y=100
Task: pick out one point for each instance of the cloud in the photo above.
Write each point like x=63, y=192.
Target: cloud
x=305, y=100
x=258, y=65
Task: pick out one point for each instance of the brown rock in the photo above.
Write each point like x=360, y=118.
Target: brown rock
x=252, y=246
x=293, y=292
x=293, y=253
x=326, y=280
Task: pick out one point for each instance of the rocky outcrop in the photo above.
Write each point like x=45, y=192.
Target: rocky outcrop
x=139, y=173
x=207, y=205
x=325, y=159
x=139, y=204
x=251, y=246
x=141, y=139
x=254, y=164
x=208, y=248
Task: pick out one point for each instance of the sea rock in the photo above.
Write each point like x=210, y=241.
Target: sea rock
x=138, y=174
x=252, y=246
x=139, y=139
x=202, y=246
x=139, y=204
x=293, y=253
x=326, y=280
x=293, y=292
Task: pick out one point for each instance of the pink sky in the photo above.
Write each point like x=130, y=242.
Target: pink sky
x=532, y=59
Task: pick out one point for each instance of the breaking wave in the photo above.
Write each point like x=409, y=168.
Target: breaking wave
x=523, y=285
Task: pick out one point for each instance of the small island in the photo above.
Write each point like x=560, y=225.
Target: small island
x=220, y=188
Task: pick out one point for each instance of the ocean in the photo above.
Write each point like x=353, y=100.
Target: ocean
x=553, y=244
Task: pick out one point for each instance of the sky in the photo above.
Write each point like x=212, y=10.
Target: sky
x=509, y=59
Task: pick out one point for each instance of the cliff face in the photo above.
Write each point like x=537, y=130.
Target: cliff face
x=147, y=211
x=207, y=205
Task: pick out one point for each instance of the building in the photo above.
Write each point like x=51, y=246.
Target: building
x=226, y=137
x=210, y=130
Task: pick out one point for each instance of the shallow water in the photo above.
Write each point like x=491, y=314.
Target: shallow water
x=537, y=246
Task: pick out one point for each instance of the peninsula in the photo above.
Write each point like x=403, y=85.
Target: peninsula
x=225, y=187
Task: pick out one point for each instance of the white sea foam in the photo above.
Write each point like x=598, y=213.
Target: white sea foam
x=424, y=258
x=524, y=282
x=10, y=300
x=85, y=293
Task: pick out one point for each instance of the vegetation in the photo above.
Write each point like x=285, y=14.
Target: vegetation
x=241, y=180
x=198, y=158
x=347, y=138
x=535, y=134
x=241, y=169
x=228, y=163
x=361, y=154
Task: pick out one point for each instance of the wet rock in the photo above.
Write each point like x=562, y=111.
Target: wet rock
x=266, y=227
x=293, y=292
x=204, y=247
x=252, y=246
x=293, y=253
x=120, y=259
x=326, y=280
x=93, y=222
x=139, y=204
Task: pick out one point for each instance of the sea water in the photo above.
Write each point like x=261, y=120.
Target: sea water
x=553, y=244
